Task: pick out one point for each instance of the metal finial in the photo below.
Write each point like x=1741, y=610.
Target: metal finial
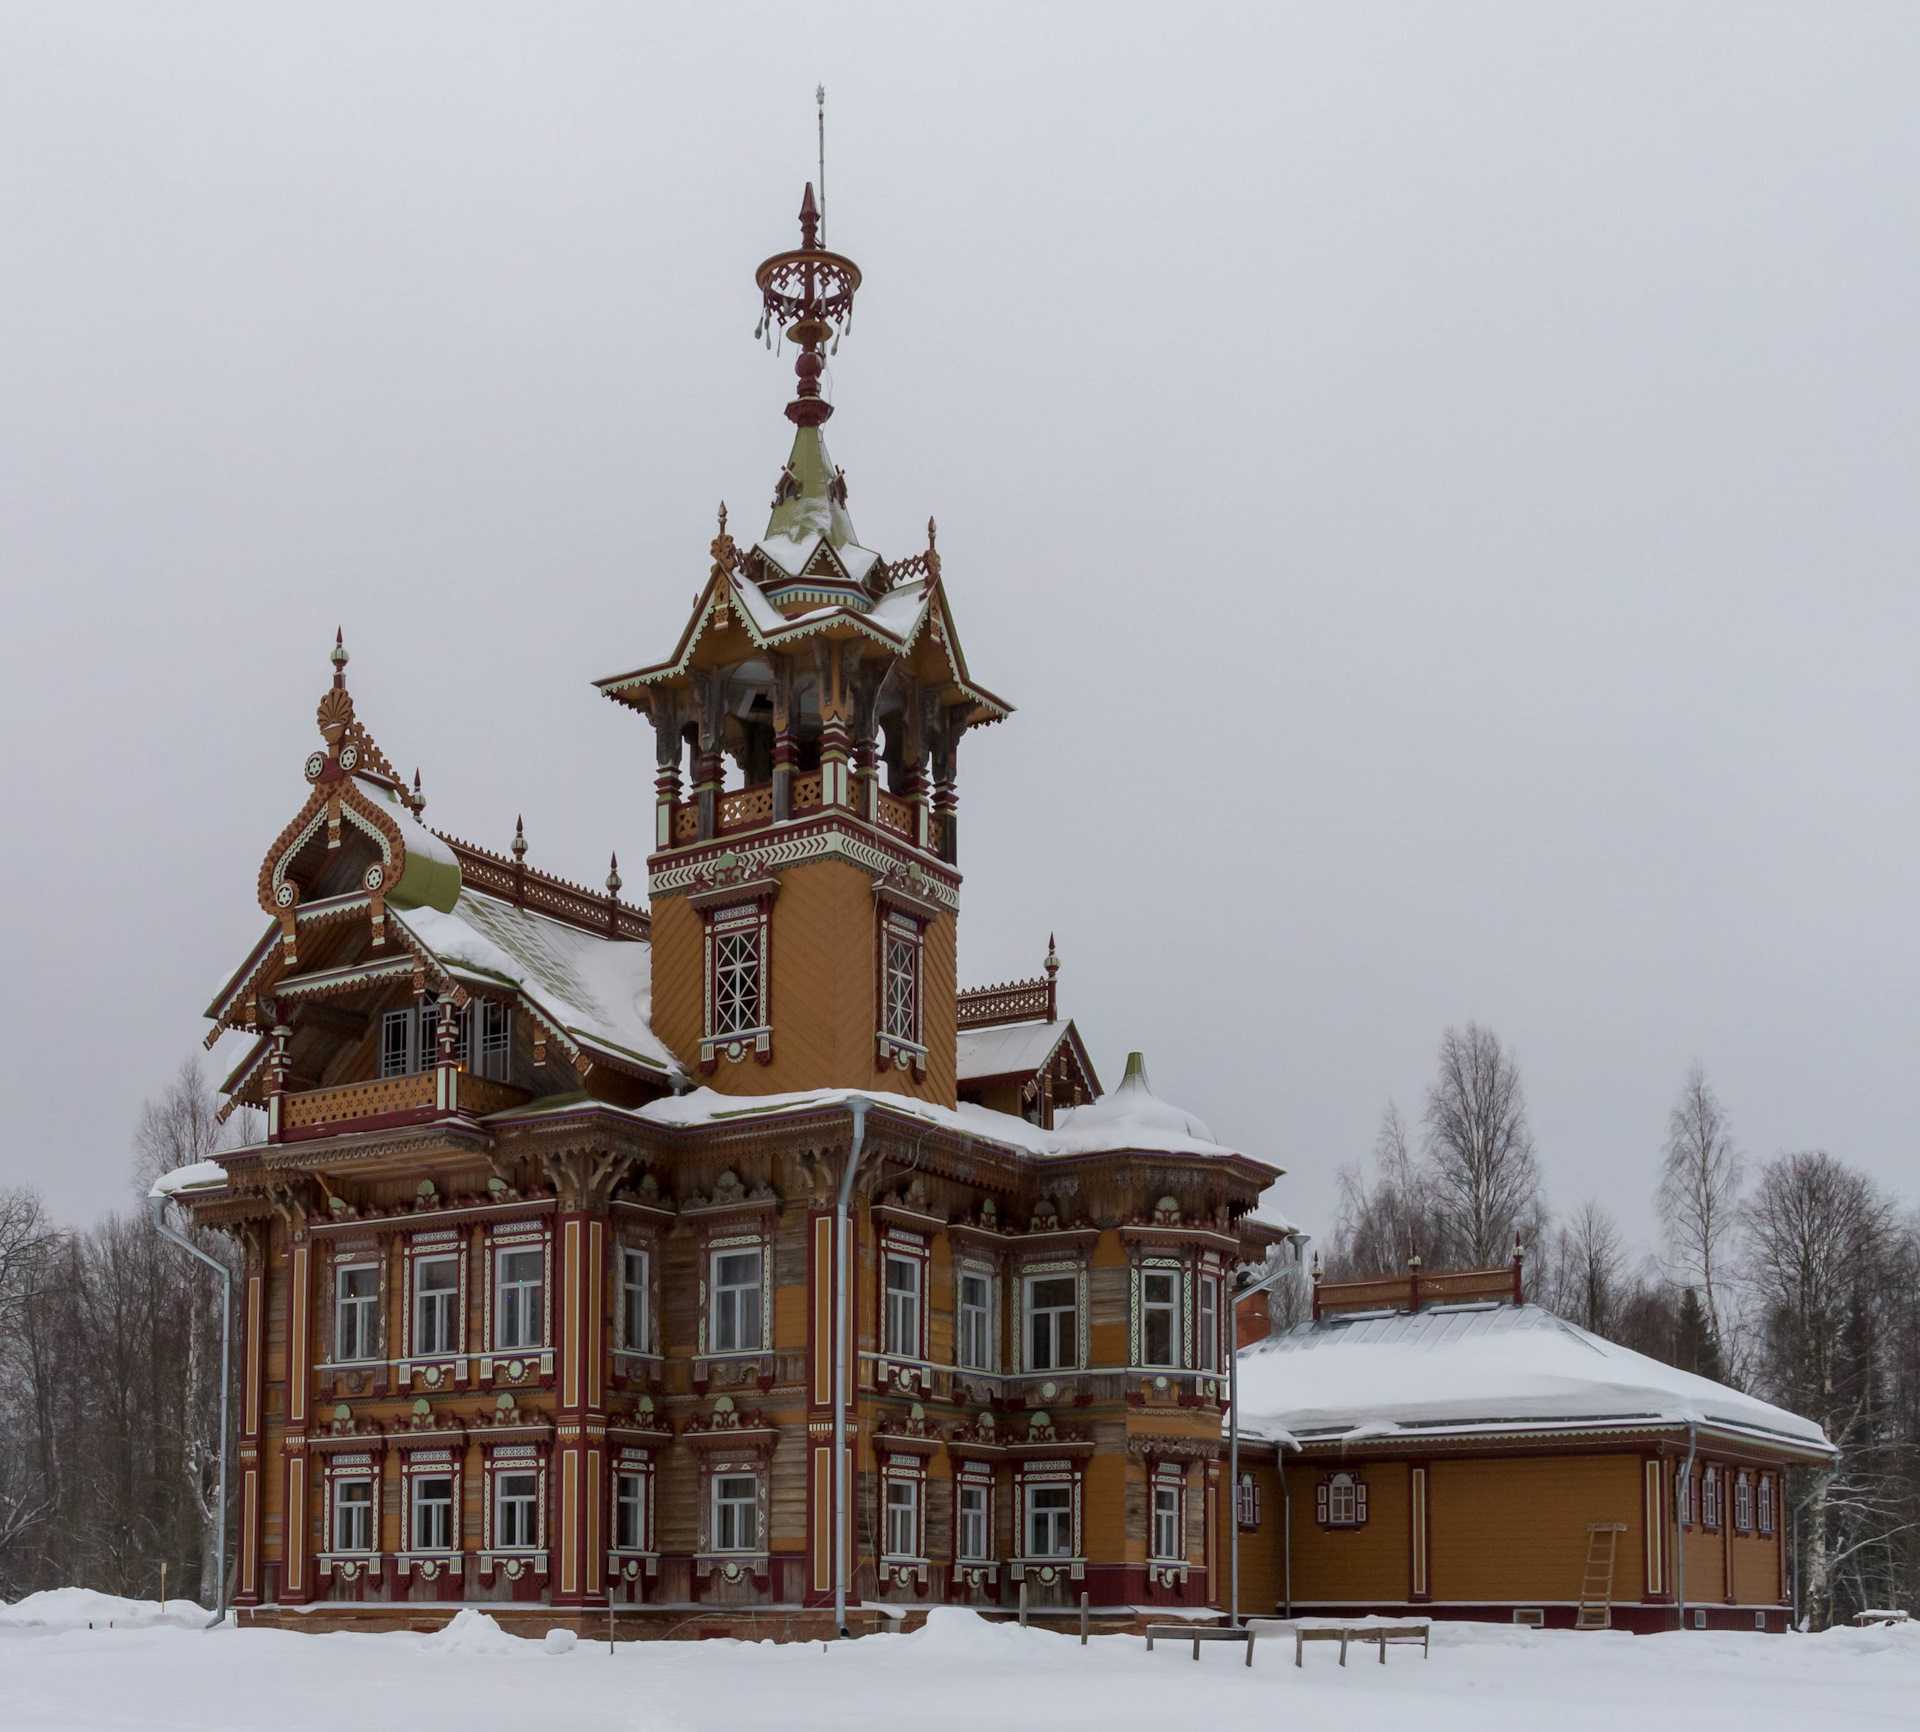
x=723, y=517
x=519, y=839
x=1053, y=956
x=820, y=102
x=933, y=534
x=419, y=799
x=613, y=877
x=338, y=656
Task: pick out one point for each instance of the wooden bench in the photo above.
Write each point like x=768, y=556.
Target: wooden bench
x=1198, y=1633
x=1880, y=1615
x=1402, y=1633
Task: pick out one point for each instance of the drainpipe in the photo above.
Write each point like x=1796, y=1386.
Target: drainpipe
x=226, y=1333
x=1233, y=1437
x=1680, y=1535
x=1286, y=1529
x=843, y=1354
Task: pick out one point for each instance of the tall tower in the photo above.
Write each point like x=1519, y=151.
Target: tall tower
x=807, y=727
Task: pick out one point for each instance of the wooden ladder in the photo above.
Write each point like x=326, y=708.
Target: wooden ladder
x=1596, y=1587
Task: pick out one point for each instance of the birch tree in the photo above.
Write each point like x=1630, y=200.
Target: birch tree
x=1479, y=1144
x=1699, y=1194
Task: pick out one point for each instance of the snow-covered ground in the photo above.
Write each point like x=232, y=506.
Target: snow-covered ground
x=151, y=1672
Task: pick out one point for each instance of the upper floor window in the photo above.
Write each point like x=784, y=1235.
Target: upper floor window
x=736, y=1302
x=1049, y=1521
x=516, y=1508
x=975, y=1331
x=972, y=1534
x=736, y=1512
x=353, y=1515
x=432, y=1513
x=738, y=972
x=356, y=1312
x=901, y=943
x=436, y=1298
x=1166, y=1522
x=903, y=1307
x=1341, y=1501
x=1160, y=1316
x=410, y=1037
x=1207, y=1324
x=1053, y=1322
x=518, y=1301
x=636, y=1334
x=493, y=1043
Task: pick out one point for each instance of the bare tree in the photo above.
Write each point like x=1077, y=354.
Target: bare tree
x=1479, y=1144
x=1589, y=1261
x=1392, y=1215
x=1699, y=1194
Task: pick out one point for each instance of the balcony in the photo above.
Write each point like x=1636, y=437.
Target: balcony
x=388, y=1100
x=742, y=809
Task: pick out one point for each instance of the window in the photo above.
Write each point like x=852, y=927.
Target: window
x=1710, y=1498
x=902, y=1536
x=518, y=1293
x=630, y=1512
x=1049, y=1521
x=1766, y=1503
x=1053, y=1322
x=356, y=1306
x=516, y=1508
x=1743, y=1503
x=353, y=1515
x=736, y=974
x=1247, y=1502
x=1166, y=1522
x=410, y=1038
x=736, y=1512
x=432, y=1521
x=1341, y=1501
x=736, y=1302
x=971, y=1534
x=436, y=1299
x=976, y=1322
x=636, y=1334
x=900, y=986
x=1683, y=1494
x=494, y=1023
x=1207, y=1346
x=1160, y=1316
x=903, y=1307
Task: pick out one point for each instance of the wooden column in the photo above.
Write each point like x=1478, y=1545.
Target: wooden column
x=580, y=1491
x=253, y=1358
x=279, y=1063
x=666, y=777
x=785, y=751
x=295, y=1561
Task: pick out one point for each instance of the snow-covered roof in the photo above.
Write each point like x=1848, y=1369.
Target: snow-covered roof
x=1480, y=1368
x=597, y=990
x=189, y=1178
x=1017, y=1048
x=1133, y=1117
x=1268, y=1213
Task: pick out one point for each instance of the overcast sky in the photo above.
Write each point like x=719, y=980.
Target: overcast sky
x=1438, y=481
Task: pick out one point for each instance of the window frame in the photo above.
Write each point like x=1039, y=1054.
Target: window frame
x=718, y=1503
x=903, y=1309
x=737, y=934
x=1169, y=1310
x=900, y=973
x=490, y=1039
x=1710, y=1497
x=369, y=1508
x=450, y=1345
x=1743, y=1502
x=1764, y=1512
x=717, y=1310
x=416, y=1483
x=1166, y=1543
x=1206, y=1327
x=1340, y=1500
x=1058, y=1518
x=536, y=1249
x=1075, y=1313
x=526, y=1506
x=987, y=1312
x=627, y=1288
x=964, y=1518
x=625, y=1474
x=900, y=1503
x=366, y=1310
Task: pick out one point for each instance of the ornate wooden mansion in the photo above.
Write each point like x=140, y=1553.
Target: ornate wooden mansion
x=716, y=1257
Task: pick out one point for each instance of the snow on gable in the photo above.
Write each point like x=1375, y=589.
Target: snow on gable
x=196, y=1175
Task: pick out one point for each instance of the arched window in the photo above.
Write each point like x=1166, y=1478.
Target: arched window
x=1341, y=1501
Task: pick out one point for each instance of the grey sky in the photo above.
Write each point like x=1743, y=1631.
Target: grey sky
x=1438, y=481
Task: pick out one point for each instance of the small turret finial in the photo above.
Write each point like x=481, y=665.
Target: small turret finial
x=723, y=517
x=419, y=799
x=519, y=839
x=338, y=656
x=613, y=876
x=1053, y=956
x=933, y=535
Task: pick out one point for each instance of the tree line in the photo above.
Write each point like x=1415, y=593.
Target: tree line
x=1796, y=1279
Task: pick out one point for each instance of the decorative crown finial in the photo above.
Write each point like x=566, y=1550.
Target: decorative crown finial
x=519, y=839
x=338, y=656
x=419, y=801
x=1053, y=956
x=807, y=294
x=613, y=876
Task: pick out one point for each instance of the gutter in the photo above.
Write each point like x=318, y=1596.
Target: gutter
x=1680, y=1535
x=843, y=1353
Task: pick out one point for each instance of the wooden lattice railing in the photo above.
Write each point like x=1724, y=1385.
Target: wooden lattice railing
x=379, y=1096
x=1015, y=1001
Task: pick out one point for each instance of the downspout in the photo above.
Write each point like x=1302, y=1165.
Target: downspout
x=159, y=1218
x=1680, y=1533
x=1286, y=1530
x=842, y=1355
x=1233, y=1471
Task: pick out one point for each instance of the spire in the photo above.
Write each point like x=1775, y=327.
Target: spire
x=519, y=839
x=338, y=656
x=613, y=877
x=807, y=295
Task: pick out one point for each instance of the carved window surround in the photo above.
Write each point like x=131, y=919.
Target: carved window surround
x=625, y=1562
x=517, y=1365
x=339, y=1467
x=451, y=1361
x=738, y=923
x=498, y=1460
x=432, y=1462
x=906, y=1470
